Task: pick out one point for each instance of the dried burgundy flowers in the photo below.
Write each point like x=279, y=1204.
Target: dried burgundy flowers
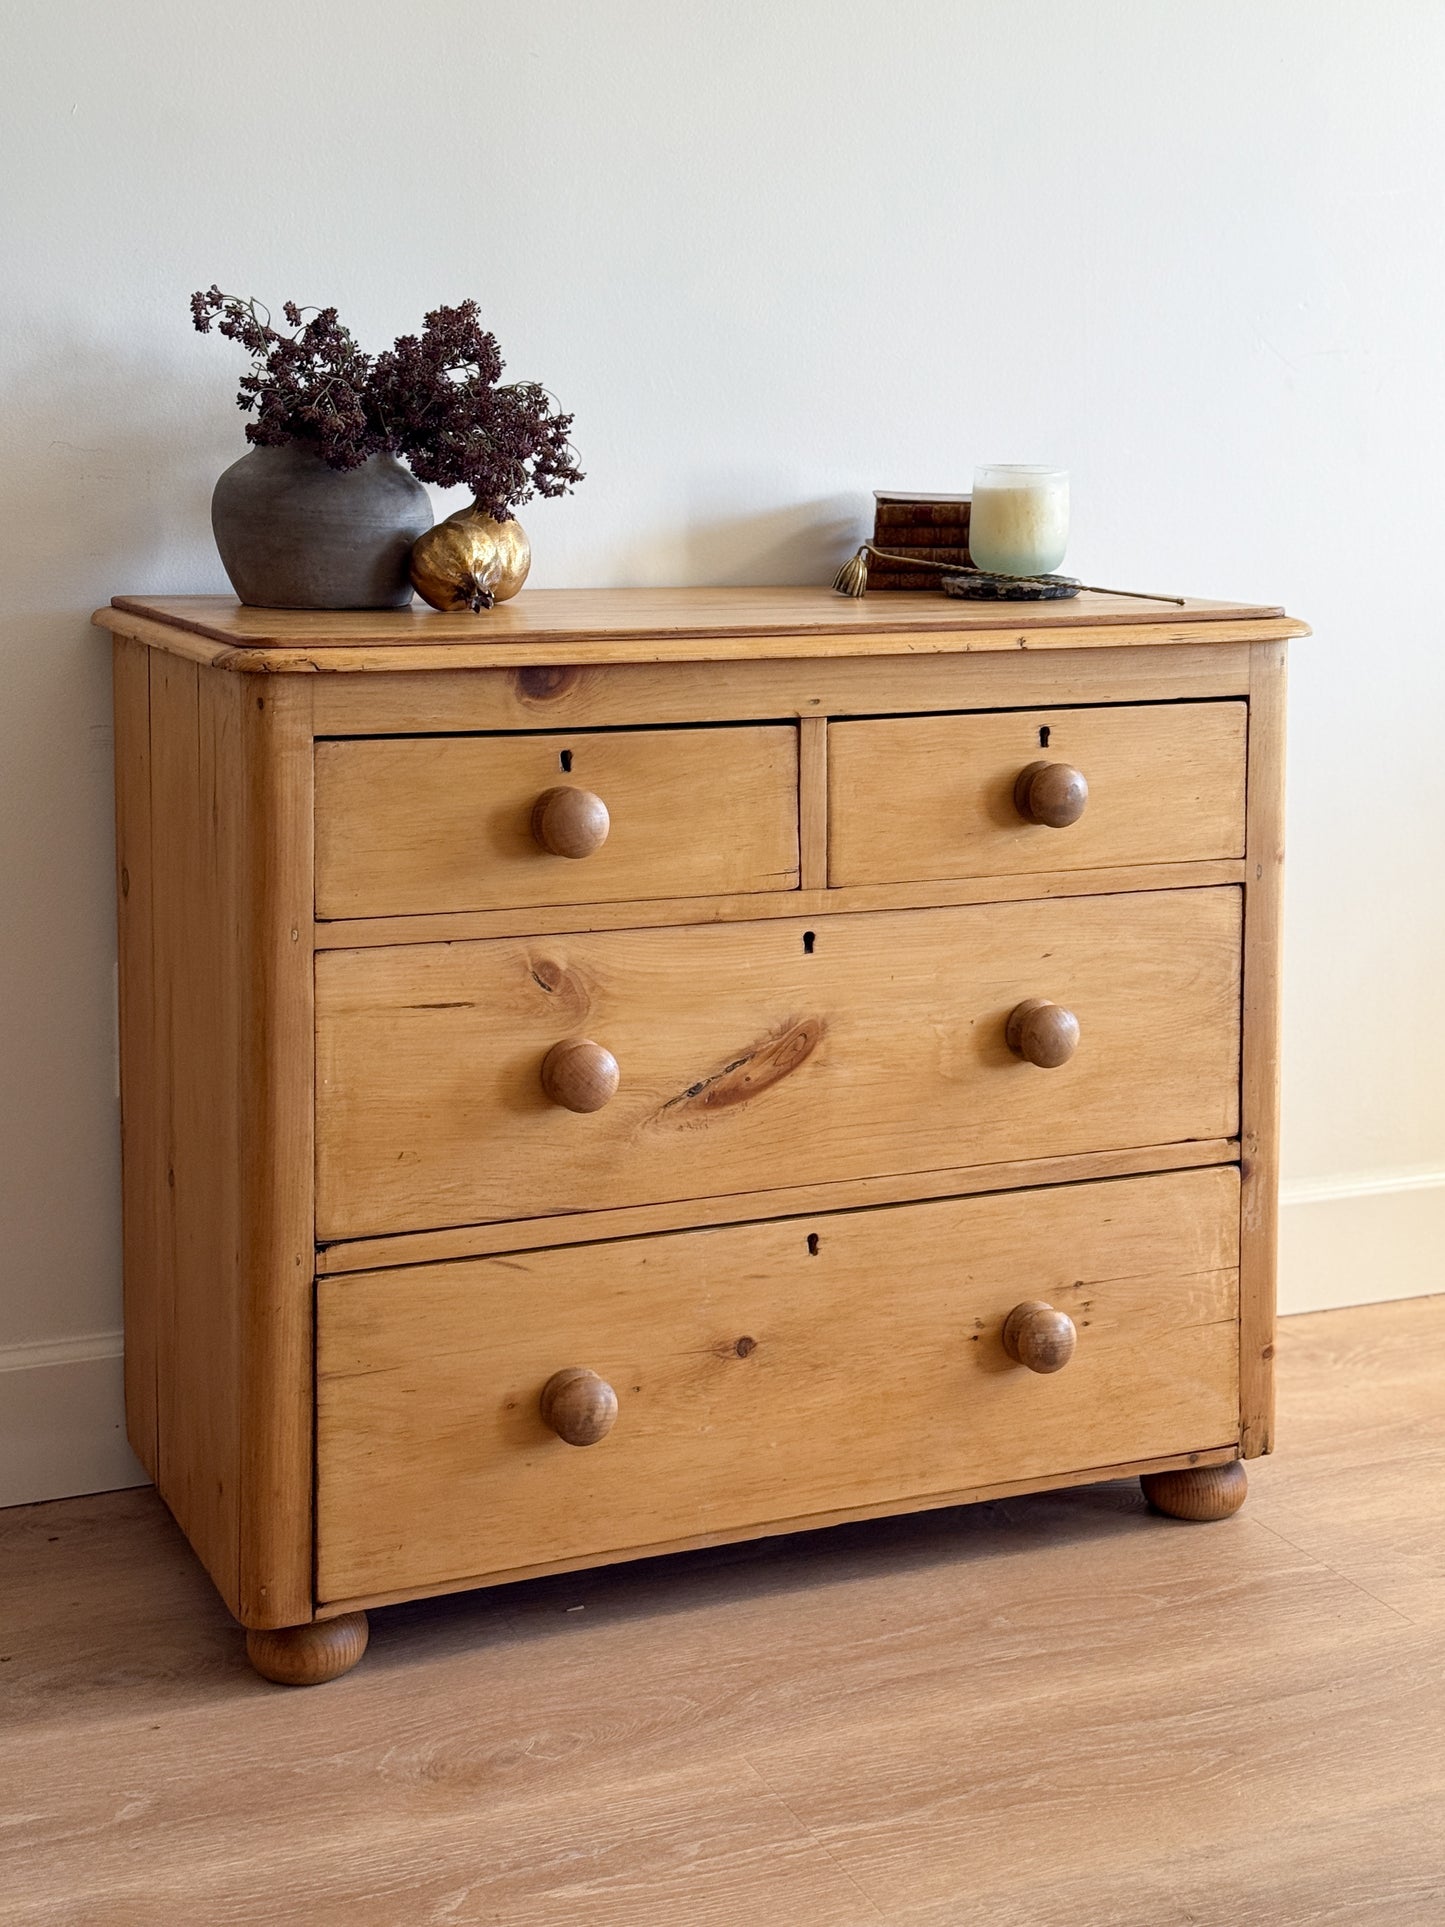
x=436, y=400
x=312, y=385
x=441, y=396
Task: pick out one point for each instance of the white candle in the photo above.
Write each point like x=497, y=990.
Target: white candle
x=1019, y=521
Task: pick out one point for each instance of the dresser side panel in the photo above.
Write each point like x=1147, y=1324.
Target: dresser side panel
x=218, y=1255
x=278, y=1241
x=1259, y=1076
x=142, y=1131
x=195, y=750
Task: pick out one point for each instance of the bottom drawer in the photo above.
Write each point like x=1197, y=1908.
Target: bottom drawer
x=764, y=1373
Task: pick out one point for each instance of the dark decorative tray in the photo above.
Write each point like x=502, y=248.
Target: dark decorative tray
x=1011, y=588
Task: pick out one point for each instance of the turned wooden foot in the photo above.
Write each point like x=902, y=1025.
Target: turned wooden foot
x=309, y=1655
x=1200, y=1493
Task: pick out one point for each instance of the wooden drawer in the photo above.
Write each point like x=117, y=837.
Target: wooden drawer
x=765, y=1373
x=913, y=798
x=755, y=1055
x=415, y=824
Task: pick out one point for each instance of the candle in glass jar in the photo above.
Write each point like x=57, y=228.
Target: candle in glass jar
x=1019, y=520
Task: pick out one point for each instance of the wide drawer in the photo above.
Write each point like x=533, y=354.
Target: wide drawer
x=756, y=1055
x=764, y=1373
x=914, y=798
x=415, y=824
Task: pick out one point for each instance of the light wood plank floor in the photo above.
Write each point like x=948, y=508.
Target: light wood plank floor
x=1050, y=1712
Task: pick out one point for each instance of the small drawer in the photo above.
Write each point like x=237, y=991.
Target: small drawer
x=765, y=1374
x=444, y=823
x=919, y=798
x=748, y=1056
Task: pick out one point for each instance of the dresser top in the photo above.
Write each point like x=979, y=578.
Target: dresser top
x=597, y=626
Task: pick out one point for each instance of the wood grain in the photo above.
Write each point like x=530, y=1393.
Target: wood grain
x=1039, y=1336
x=579, y=1075
x=1201, y=1495
x=912, y=798
x=1259, y=1074
x=341, y=661
x=1042, y=1033
x=878, y=1723
x=1358, y=1482
x=751, y=1058
x=308, y=1655
x=627, y=1221
x=784, y=1047
x=217, y=1109
x=573, y=695
x=195, y=751
x=578, y=1406
x=278, y=1237
x=569, y=822
x=143, y=1163
x=980, y=1493
x=426, y=824
x=813, y=803
x=351, y=933
x=594, y=617
x=1054, y=795
x=764, y=1369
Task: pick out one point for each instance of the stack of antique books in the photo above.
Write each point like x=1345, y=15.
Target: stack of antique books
x=925, y=528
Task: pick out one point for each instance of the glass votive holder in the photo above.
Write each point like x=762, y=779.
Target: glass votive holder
x=1019, y=520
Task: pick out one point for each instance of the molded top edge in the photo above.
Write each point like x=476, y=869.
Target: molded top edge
x=660, y=625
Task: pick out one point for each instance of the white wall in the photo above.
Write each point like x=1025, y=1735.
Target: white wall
x=773, y=255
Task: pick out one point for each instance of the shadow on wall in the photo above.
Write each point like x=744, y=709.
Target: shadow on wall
x=105, y=478
x=788, y=543
x=802, y=542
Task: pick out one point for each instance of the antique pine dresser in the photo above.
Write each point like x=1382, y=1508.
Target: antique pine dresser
x=639, y=1069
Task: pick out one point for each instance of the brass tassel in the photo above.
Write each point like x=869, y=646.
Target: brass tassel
x=852, y=578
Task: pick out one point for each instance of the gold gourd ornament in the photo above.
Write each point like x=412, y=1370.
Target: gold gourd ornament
x=470, y=561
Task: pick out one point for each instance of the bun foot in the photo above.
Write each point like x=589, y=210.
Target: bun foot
x=1200, y=1493
x=308, y=1655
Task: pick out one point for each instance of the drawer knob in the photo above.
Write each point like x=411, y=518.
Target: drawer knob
x=1042, y=1033
x=580, y=1407
x=580, y=1075
x=1051, y=793
x=570, y=822
x=1036, y=1335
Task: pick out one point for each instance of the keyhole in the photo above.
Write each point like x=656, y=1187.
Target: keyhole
x=809, y=938
x=1044, y=737
x=813, y=1244
x=566, y=761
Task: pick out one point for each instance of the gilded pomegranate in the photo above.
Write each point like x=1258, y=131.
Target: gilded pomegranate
x=470, y=561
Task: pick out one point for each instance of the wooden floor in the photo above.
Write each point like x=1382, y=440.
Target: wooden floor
x=1051, y=1712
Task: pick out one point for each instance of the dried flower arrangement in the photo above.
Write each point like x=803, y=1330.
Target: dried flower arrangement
x=436, y=400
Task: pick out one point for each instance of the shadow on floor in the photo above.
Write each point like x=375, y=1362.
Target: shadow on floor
x=799, y=1562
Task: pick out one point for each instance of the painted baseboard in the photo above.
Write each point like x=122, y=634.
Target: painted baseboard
x=1346, y=1241
x=1358, y=1241
x=62, y=1420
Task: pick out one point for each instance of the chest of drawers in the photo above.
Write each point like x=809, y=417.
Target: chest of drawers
x=641, y=1069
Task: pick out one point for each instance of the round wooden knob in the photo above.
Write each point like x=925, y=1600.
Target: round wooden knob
x=1036, y=1335
x=580, y=1407
x=1051, y=793
x=1042, y=1033
x=580, y=1075
x=570, y=822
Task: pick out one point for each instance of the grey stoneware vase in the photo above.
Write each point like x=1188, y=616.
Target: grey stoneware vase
x=295, y=534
